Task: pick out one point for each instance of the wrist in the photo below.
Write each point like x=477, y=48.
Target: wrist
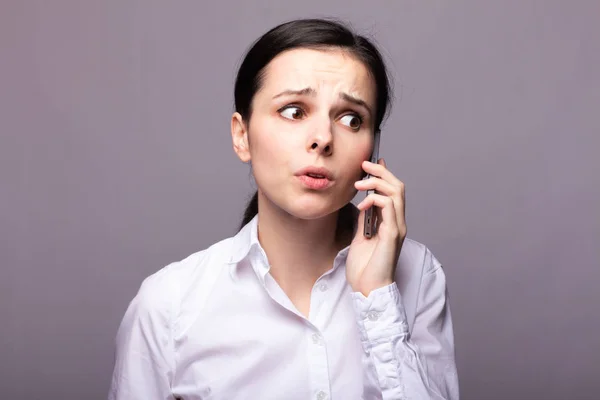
x=368, y=287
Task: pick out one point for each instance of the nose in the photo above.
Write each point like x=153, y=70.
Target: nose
x=321, y=139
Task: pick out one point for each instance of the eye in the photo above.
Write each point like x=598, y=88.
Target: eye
x=353, y=121
x=291, y=112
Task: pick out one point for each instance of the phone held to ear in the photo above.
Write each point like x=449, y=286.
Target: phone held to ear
x=369, y=224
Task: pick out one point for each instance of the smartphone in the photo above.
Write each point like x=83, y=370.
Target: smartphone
x=369, y=224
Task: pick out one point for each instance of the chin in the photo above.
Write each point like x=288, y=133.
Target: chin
x=312, y=208
x=309, y=206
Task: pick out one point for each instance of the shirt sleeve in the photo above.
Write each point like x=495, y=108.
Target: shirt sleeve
x=403, y=365
x=144, y=358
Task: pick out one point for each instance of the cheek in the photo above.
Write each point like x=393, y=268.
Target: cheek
x=263, y=144
x=269, y=150
x=275, y=142
x=360, y=152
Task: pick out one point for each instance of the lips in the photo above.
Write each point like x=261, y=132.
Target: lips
x=315, y=172
x=315, y=183
x=315, y=178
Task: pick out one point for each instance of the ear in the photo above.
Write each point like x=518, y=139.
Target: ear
x=239, y=135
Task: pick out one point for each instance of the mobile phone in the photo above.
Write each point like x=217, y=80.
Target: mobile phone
x=369, y=224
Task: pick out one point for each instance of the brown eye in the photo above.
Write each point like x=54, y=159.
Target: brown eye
x=352, y=120
x=292, y=112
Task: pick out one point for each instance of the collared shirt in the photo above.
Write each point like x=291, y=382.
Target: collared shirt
x=242, y=338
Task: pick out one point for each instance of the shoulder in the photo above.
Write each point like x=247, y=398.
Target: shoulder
x=164, y=291
x=418, y=275
x=164, y=300
x=417, y=257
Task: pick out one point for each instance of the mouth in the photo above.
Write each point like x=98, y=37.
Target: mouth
x=315, y=181
x=315, y=177
x=316, y=172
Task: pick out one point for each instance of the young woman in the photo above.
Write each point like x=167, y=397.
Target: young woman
x=299, y=304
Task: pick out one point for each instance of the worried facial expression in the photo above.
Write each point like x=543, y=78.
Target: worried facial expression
x=315, y=108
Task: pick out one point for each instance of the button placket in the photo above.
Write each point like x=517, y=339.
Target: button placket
x=322, y=395
x=316, y=338
x=373, y=315
x=318, y=365
x=317, y=301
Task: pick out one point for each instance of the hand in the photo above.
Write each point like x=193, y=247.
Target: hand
x=371, y=262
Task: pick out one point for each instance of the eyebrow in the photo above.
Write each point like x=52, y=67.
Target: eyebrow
x=308, y=91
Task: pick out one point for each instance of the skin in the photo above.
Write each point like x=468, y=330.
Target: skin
x=319, y=127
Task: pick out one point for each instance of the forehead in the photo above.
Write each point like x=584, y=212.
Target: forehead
x=322, y=69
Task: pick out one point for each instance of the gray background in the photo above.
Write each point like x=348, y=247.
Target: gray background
x=116, y=159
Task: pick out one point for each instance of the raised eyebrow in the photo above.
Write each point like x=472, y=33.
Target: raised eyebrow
x=306, y=91
x=356, y=100
x=312, y=92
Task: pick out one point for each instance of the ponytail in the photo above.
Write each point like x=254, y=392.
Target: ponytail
x=251, y=210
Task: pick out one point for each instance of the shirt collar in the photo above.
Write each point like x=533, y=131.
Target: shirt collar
x=245, y=243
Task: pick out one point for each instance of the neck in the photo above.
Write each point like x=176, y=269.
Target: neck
x=299, y=250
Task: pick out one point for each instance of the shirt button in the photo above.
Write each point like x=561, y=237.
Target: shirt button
x=321, y=395
x=373, y=315
x=322, y=287
x=316, y=338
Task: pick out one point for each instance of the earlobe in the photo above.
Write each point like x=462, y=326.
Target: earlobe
x=239, y=136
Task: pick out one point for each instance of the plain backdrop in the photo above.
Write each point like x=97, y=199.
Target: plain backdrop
x=116, y=159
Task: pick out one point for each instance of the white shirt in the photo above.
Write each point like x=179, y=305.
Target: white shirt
x=242, y=338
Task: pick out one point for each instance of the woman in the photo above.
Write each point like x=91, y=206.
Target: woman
x=299, y=304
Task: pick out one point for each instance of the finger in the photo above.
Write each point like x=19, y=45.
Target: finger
x=386, y=212
x=379, y=170
x=398, y=204
x=378, y=184
x=397, y=193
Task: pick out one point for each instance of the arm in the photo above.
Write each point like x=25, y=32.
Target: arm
x=144, y=348
x=419, y=365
